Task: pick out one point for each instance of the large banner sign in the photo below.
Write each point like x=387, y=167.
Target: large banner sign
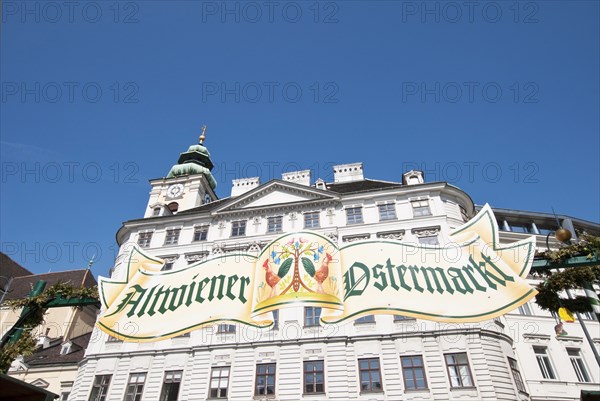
x=473, y=278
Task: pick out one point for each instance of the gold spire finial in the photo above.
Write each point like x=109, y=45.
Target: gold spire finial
x=203, y=136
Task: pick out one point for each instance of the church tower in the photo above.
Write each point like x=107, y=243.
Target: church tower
x=189, y=183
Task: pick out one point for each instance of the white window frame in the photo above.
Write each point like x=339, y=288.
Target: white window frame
x=200, y=229
x=357, y=218
x=525, y=310
x=135, y=380
x=171, y=239
x=387, y=209
x=517, y=376
x=579, y=365
x=236, y=227
x=226, y=328
x=65, y=348
x=171, y=377
x=100, y=388
x=309, y=216
x=459, y=375
x=145, y=242
x=274, y=224
x=312, y=316
x=544, y=362
x=429, y=240
x=219, y=381
x=423, y=210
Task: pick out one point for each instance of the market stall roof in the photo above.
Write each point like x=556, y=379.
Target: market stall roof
x=588, y=395
x=17, y=390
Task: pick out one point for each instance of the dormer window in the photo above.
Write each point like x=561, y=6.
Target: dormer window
x=66, y=348
x=156, y=211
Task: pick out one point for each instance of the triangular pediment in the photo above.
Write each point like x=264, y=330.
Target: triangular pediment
x=275, y=193
x=40, y=383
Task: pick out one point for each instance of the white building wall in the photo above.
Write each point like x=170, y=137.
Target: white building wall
x=487, y=344
x=486, y=351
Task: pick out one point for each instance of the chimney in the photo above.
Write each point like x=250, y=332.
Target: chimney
x=348, y=172
x=320, y=184
x=43, y=341
x=299, y=177
x=413, y=177
x=243, y=185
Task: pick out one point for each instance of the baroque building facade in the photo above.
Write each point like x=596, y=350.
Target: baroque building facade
x=376, y=357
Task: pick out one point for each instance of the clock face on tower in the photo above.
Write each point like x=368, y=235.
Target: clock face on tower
x=174, y=190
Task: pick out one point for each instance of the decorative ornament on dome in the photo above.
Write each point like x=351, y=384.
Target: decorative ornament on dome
x=203, y=135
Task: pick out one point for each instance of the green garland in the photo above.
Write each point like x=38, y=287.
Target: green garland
x=548, y=292
x=58, y=290
x=548, y=298
x=26, y=344
x=588, y=246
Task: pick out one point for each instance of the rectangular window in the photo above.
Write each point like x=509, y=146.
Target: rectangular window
x=312, y=315
x=387, y=211
x=238, y=228
x=525, y=309
x=111, y=339
x=314, y=380
x=458, y=370
x=370, y=375
x=171, y=383
x=64, y=396
x=365, y=319
x=587, y=315
x=219, y=382
x=172, y=236
x=429, y=240
x=420, y=208
x=200, y=233
x=168, y=266
x=275, y=319
x=144, y=239
x=275, y=224
x=311, y=220
x=135, y=387
x=514, y=367
x=401, y=318
x=226, y=328
x=413, y=371
x=100, y=388
x=265, y=379
x=579, y=365
x=354, y=215
x=520, y=228
x=156, y=211
x=543, y=360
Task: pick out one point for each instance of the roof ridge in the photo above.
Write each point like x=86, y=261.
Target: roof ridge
x=45, y=274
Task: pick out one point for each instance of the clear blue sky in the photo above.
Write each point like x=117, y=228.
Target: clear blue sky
x=501, y=100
